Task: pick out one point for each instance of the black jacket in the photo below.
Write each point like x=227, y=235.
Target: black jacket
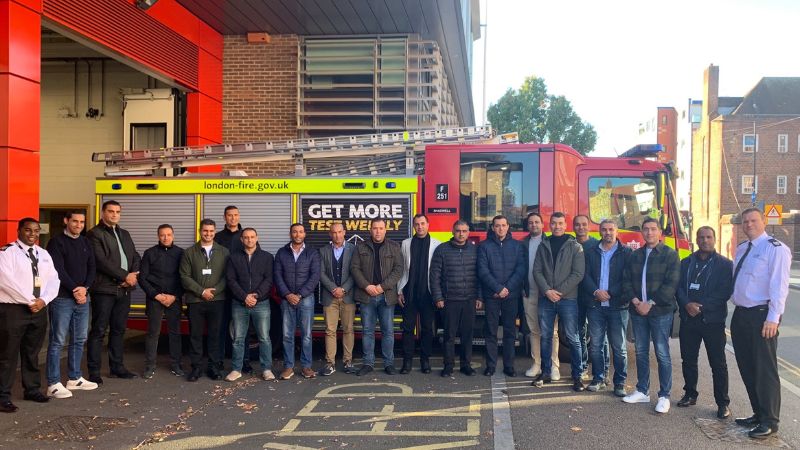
x=565, y=274
x=107, y=259
x=454, y=272
x=159, y=271
x=663, y=273
x=591, y=279
x=232, y=240
x=73, y=259
x=716, y=287
x=250, y=275
x=502, y=264
x=299, y=277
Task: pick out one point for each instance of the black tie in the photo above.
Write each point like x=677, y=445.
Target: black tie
x=741, y=261
x=35, y=267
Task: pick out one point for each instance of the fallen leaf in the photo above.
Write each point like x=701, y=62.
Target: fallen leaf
x=576, y=429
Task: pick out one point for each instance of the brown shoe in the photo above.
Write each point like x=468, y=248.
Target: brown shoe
x=308, y=372
x=287, y=373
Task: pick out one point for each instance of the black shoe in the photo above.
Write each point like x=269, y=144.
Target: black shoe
x=762, y=431
x=447, y=372
x=687, y=400
x=95, y=379
x=723, y=412
x=468, y=371
x=489, y=371
x=578, y=386
x=747, y=421
x=363, y=371
x=124, y=374
x=541, y=380
x=149, y=373
x=177, y=371
x=596, y=385
x=328, y=370
x=36, y=396
x=390, y=370
x=619, y=390
x=406, y=369
x=194, y=375
x=348, y=368
x=426, y=366
x=8, y=407
x=214, y=374
x=510, y=372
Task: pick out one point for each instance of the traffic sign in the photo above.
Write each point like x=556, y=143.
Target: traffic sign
x=774, y=214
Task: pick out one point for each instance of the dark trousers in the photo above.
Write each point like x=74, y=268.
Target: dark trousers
x=498, y=310
x=202, y=315
x=422, y=307
x=108, y=312
x=758, y=363
x=459, y=319
x=694, y=331
x=155, y=312
x=21, y=337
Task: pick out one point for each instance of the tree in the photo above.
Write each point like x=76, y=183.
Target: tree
x=540, y=117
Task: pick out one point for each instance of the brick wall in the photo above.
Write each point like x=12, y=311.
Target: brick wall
x=260, y=96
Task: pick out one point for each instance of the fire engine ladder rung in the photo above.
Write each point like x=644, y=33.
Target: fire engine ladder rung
x=356, y=145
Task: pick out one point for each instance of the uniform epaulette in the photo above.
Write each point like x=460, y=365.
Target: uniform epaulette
x=3, y=248
x=774, y=242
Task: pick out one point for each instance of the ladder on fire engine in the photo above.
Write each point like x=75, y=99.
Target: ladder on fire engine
x=341, y=155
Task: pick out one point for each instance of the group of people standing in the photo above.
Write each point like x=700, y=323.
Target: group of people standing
x=593, y=288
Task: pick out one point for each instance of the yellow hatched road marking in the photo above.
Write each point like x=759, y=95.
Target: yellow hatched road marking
x=473, y=429
x=458, y=444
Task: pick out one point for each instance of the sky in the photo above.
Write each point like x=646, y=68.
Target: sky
x=617, y=61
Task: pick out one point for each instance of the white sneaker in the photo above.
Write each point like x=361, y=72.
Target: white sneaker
x=58, y=391
x=534, y=371
x=555, y=374
x=636, y=397
x=267, y=375
x=663, y=405
x=81, y=385
x=233, y=376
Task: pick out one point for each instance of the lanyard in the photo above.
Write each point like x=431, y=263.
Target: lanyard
x=34, y=260
x=697, y=275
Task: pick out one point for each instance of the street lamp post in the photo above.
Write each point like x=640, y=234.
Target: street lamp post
x=755, y=151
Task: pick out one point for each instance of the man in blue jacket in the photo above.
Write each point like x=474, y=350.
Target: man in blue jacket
x=502, y=266
x=297, y=269
x=704, y=288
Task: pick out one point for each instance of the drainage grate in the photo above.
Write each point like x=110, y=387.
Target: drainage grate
x=728, y=431
x=74, y=428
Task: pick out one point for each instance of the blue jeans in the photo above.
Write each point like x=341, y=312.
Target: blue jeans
x=567, y=310
x=371, y=312
x=657, y=329
x=66, y=316
x=303, y=315
x=584, y=334
x=608, y=325
x=241, y=316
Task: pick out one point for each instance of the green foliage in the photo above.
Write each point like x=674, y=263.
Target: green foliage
x=540, y=117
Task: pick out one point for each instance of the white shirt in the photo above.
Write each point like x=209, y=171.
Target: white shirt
x=533, y=247
x=297, y=253
x=764, y=276
x=644, y=274
x=16, y=275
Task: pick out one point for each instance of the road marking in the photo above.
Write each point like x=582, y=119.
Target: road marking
x=501, y=412
x=443, y=445
x=279, y=446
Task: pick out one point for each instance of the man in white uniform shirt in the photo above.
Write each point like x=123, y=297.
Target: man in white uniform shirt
x=760, y=288
x=28, y=282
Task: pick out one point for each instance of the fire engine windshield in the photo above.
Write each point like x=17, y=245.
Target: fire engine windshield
x=628, y=200
x=498, y=183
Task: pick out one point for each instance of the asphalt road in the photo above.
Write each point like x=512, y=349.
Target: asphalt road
x=376, y=412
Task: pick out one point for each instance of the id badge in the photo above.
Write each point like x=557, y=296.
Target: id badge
x=37, y=282
x=206, y=271
x=694, y=286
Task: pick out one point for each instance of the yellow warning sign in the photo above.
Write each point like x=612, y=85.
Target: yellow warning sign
x=774, y=214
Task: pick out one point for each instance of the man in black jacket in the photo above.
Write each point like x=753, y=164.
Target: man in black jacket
x=249, y=277
x=704, y=288
x=454, y=288
x=117, y=275
x=608, y=310
x=502, y=266
x=161, y=282
x=230, y=237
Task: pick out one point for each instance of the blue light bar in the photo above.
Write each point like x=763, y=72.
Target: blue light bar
x=643, y=151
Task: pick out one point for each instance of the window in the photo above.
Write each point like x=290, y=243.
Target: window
x=627, y=200
x=798, y=184
x=749, y=142
x=498, y=183
x=783, y=143
x=781, y=184
x=747, y=184
x=147, y=136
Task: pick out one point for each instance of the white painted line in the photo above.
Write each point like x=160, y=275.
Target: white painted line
x=784, y=382
x=459, y=444
x=501, y=414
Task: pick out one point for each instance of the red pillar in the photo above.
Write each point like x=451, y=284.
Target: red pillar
x=20, y=75
x=204, y=108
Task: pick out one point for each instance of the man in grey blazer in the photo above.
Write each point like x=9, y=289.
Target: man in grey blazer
x=337, y=298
